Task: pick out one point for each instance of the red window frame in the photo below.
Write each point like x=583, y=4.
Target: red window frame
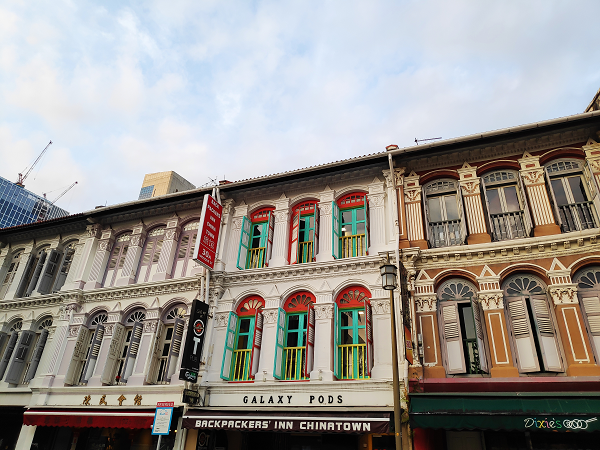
x=250, y=306
x=299, y=302
x=352, y=200
x=352, y=297
x=262, y=215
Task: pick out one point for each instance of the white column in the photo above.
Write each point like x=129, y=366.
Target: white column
x=132, y=258
x=325, y=235
x=226, y=224
x=60, y=351
x=82, y=269
x=279, y=256
x=414, y=214
x=96, y=274
x=10, y=294
x=25, y=437
x=377, y=222
x=4, y=262
x=269, y=338
x=382, y=338
x=324, y=338
x=469, y=184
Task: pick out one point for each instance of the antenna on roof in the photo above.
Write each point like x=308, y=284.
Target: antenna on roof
x=423, y=140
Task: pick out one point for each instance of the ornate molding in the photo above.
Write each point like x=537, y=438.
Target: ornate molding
x=236, y=224
x=380, y=307
x=150, y=325
x=108, y=329
x=171, y=235
x=324, y=311
x=94, y=230
x=106, y=245
x=426, y=304
x=325, y=208
x=491, y=301
x=412, y=195
x=74, y=330
x=270, y=315
x=281, y=216
x=470, y=187
x=221, y=319
x=533, y=176
x=563, y=295
x=376, y=200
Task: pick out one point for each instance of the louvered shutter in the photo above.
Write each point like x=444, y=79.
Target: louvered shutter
x=36, y=274
x=335, y=230
x=366, y=206
x=455, y=357
x=95, y=345
x=593, y=190
x=316, y=235
x=294, y=238
x=12, y=341
x=369, y=333
x=63, y=271
x=244, y=243
x=591, y=310
x=37, y=355
x=428, y=233
x=132, y=350
x=151, y=374
x=256, y=343
x=461, y=215
x=486, y=210
x=178, y=329
x=78, y=355
x=523, y=336
x=279, y=344
x=114, y=349
x=19, y=359
x=51, y=267
x=552, y=199
x=270, y=232
x=229, y=346
x=3, y=340
x=24, y=279
x=546, y=334
x=526, y=215
x=336, y=342
x=479, y=331
x=310, y=341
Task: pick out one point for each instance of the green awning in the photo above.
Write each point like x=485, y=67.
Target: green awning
x=506, y=411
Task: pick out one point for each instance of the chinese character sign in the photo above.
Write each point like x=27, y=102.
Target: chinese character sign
x=208, y=232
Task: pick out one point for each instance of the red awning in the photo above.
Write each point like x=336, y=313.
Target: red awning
x=89, y=418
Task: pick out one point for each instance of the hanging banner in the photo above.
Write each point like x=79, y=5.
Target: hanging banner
x=194, y=341
x=205, y=250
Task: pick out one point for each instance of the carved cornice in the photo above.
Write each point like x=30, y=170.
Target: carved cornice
x=564, y=295
x=494, y=300
x=426, y=304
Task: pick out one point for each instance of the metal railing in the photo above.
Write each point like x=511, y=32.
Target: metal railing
x=445, y=234
x=577, y=216
x=255, y=258
x=355, y=245
x=353, y=361
x=294, y=363
x=508, y=225
x=305, y=252
x=241, y=368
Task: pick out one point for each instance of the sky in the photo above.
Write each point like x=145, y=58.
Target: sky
x=239, y=89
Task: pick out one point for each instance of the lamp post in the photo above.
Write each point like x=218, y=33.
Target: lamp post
x=388, y=280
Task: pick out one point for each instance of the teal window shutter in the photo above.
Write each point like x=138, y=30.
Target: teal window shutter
x=315, y=239
x=244, y=244
x=335, y=230
x=270, y=232
x=366, y=225
x=336, y=340
x=279, y=343
x=229, y=346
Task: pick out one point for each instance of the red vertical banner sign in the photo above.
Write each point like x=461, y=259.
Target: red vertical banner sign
x=205, y=251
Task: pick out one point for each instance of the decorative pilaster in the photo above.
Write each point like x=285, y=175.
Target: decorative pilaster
x=82, y=270
x=132, y=258
x=58, y=347
x=592, y=156
x=533, y=178
x=169, y=247
x=469, y=183
x=281, y=232
x=377, y=222
x=414, y=212
x=396, y=203
x=323, y=353
x=325, y=235
x=267, y=351
x=105, y=245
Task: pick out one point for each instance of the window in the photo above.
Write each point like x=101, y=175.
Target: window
x=507, y=209
x=572, y=188
x=151, y=254
x=65, y=267
x=10, y=274
x=463, y=338
x=27, y=353
x=256, y=240
x=13, y=331
x=243, y=341
x=588, y=292
x=294, y=350
x=353, y=352
x=350, y=229
x=117, y=259
x=146, y=192
x=32, y=272
x=38, y=345
x=183, y=264
x=94, y=338
x=304, y=236
x=531, y=324
x=443, y=206
x=170, y=345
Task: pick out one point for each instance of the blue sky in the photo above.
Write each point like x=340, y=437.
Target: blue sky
x=243, y=89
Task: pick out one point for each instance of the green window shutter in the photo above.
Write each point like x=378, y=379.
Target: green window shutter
x=270, y=225
x=279, y=344
x=295, y=238
x=244, y=243
x=336, y=342
x=229, y=346
x=369, y=335
x=310, y=341
x=366, y=206
x=256, y=343
x=335, y=230
x=316, y=234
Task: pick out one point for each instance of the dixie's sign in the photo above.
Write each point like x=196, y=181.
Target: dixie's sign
x=208, y=232
x=192, y=353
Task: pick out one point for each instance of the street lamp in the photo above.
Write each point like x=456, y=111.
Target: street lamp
x=388, y=280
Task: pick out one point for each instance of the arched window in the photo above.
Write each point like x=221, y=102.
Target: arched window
x=11, y=342
x=588, y=292
x=168, y=345
x=350, y=226
x=531, y=324
x=243, y=340
x=256, y=240
x=183, y=264
x=151, y=254
x=463, y=339
x=446, y=224
x=572, y=191
x=117, y=258
x=295, y=342
x=353, y=325
x=506, y=203
x=304, y=233
x=93, y=342
x=10, y=274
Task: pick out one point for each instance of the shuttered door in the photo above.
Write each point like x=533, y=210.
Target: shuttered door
x=36, y=274
x=108, y=374
x=526, y=216
x=90, y=364
x=461, y=215
x=279, y=345
x=17, y=365
x=256, y=343
x=37, y=355
x=591, y=309
x=315, y=249
x=455, y=357
x=229, y=346
x=546, y=335
x=270, y=232
x=310, y=341
x=178, y=329
x=47, y=277
x=522, y=335
x=477, y=315
x=335, y=230
x=77, y=357
x=336, y=341
x=294, y=238
x=132, y=351
x=12, y=341
x=153, y=366
x=369, y=333
x=244, y=243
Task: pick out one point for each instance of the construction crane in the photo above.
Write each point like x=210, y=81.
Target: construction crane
x=62, y=193
x=21, y=181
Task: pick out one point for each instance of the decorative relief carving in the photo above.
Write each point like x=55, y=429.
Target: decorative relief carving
x=535, y=176
x=412, y=195
x=236, y=224
x=376, y=200
x=106, y=245
x=150, y=326
x=470, y=187
x=108, y=329
x=93, y=230
x=172, y=235
x=281, y=216
x=74, y=330
x=325, y=208
x=221, y=320
x=492, y=301
x=426, y=304
x=380, y=307
x=270, y=315
x=563, y=295
x=135, y=240
x=324, y=311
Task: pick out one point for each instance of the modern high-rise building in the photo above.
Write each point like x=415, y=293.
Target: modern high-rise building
x=19, y=206
x=163, y=183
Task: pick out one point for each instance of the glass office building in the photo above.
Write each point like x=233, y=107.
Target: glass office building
x=19, y=206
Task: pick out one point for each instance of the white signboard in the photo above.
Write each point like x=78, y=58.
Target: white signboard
x=162, y=418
